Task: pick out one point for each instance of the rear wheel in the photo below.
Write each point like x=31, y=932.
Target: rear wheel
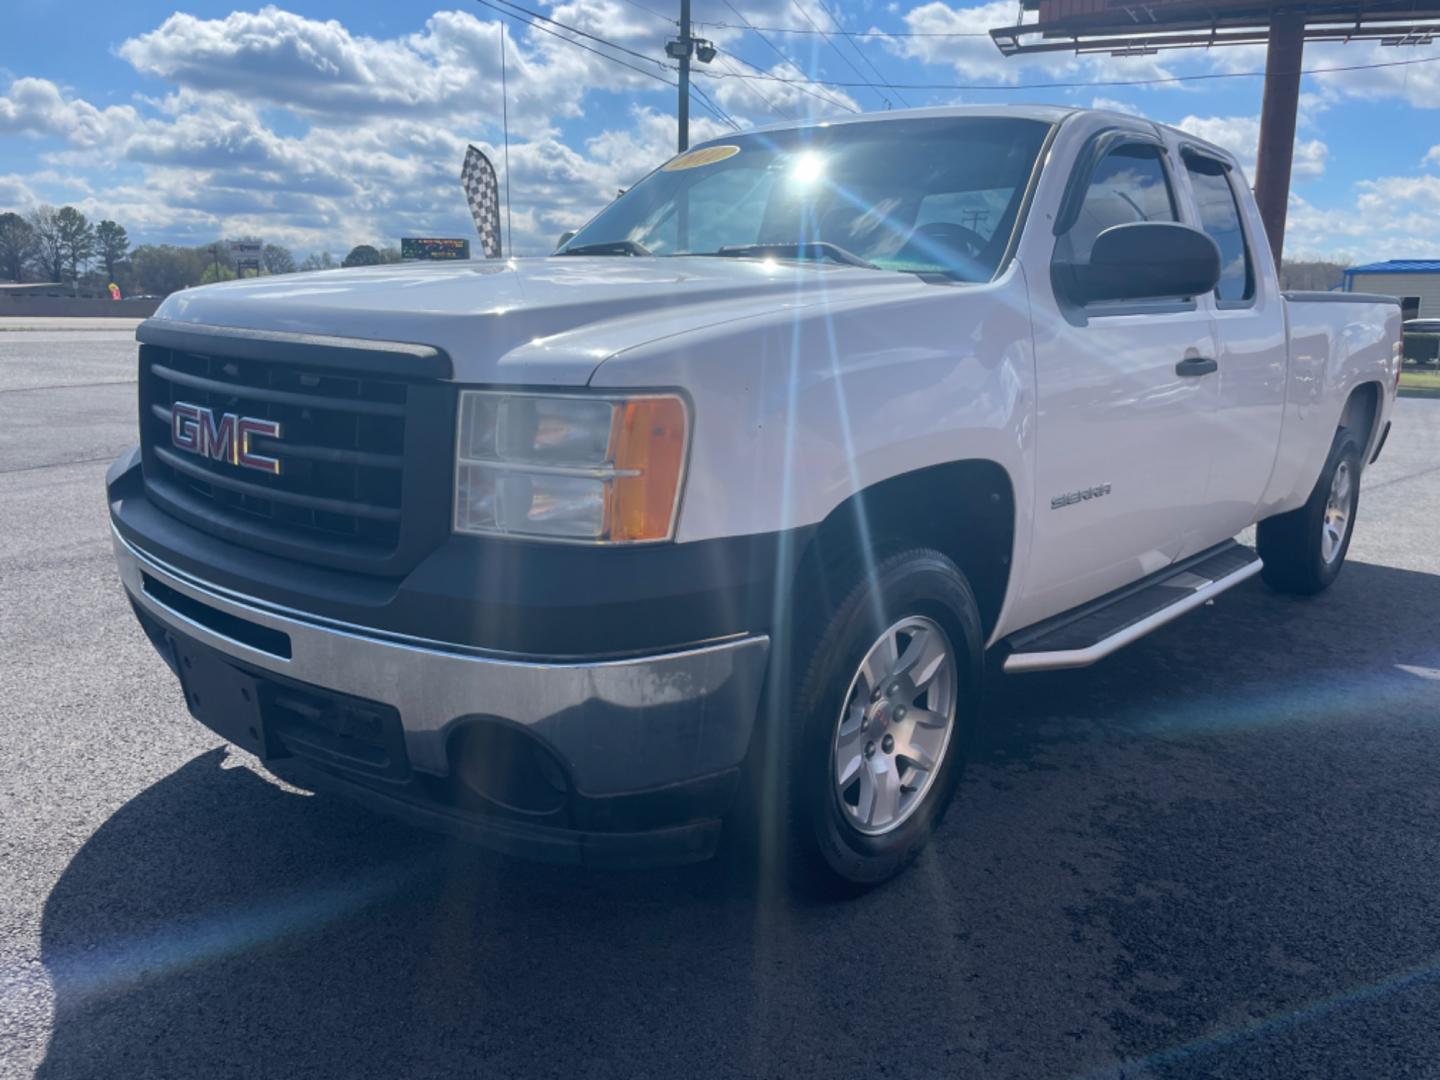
x=1304, y=550
x=878, y=720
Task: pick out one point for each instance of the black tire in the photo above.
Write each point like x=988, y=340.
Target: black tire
x=1291, y=544
x=823, y=853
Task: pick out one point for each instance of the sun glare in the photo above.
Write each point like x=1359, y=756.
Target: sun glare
x=808, y=168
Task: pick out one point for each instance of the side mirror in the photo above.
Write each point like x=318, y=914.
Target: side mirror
x=565, y=238
x=1147, y=260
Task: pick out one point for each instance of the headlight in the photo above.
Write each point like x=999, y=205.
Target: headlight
x=574, y=467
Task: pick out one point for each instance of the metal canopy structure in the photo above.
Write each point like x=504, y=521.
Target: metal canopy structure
x=1130, y=28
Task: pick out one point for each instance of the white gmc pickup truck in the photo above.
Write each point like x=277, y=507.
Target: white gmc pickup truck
x=729, y=504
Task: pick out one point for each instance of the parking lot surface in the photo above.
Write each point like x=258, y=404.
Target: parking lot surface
x=1215, y=854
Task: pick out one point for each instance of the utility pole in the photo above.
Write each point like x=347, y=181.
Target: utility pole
x=1278, y=108
x=683, y=108
x=681, y=49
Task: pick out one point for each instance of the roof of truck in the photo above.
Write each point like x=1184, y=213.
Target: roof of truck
x=1050, y=114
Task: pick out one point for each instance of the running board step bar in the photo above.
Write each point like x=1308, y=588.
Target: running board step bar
x=1093, y=631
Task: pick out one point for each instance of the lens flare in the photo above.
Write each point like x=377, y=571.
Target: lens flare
x=808, y=168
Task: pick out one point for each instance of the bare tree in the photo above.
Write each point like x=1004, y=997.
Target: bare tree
x=49, y=247
x=277, y=259
x=77, y=239
x=17, y=244
x=1311, y=274
x=112, y=244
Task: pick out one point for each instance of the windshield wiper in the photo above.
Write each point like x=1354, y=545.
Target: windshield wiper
x=609, y=247
x=799, y=250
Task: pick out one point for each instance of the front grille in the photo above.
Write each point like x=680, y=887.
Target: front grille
x=341, y=495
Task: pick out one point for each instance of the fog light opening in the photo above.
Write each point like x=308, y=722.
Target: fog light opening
x=506, y=767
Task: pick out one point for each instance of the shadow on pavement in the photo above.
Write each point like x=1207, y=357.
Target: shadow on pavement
x=1170, y=857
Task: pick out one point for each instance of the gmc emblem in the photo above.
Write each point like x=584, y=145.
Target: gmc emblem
x=195, y=429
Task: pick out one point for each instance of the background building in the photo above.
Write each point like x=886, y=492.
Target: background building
x=1415, y=281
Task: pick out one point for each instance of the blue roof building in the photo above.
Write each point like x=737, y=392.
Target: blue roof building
x=1415, y=281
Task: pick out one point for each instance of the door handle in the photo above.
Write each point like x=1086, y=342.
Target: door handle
x=1196, y=365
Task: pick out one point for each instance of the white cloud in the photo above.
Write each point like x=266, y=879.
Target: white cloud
x=310, y=134
x=1391, y=217
x=1416, y=83
x=374, y=129
x=1241, y=135
x=38, y=107
x=976, y=60
x=449, y=69
x=793, y=100
x=1112, y=105
x=15, y=193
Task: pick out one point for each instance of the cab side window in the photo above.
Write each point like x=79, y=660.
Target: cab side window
x=1220, y=218
x=1128, y=185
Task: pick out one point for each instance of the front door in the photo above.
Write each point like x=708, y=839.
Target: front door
x=1124, y=424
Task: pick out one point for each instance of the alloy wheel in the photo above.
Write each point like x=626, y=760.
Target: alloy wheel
x=895, y=725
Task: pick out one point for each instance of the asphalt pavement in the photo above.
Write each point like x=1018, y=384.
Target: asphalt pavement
x=1216, y=854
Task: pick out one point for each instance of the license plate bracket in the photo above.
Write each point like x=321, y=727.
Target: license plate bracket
x=222, y=697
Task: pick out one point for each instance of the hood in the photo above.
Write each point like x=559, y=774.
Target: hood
x=538, y=321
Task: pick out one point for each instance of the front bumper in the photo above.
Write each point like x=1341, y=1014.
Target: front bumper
x=628, y=732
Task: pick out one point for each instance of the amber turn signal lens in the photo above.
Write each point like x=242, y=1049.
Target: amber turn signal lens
x=649, y=443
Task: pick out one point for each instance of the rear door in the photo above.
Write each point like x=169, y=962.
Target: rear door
x=1251, y=334
x=1124, y=432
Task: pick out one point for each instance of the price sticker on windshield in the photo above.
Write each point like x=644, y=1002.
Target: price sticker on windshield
x=708, y=155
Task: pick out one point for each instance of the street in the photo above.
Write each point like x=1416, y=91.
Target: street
x=1215, y=854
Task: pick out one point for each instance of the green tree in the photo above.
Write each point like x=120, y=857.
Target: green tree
x=49, y=247
x=213, y=272
x=112, y=244
x=77, y=239
x=162, y=269
x=17, y=245
x=277, y=259
x=362, y=255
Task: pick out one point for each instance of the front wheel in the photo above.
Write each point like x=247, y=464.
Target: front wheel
x=879, y=719
x=1304, y=550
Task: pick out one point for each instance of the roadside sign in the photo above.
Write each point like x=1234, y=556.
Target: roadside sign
x=434, y=247
x=246, y=254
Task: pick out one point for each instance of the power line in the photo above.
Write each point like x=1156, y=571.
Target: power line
x=859, y=51
x=770, y=102
x=709, y=105
x=798, y=84
x=583, y=33
x=920, y=87
x=652, y=11
x=715, y=109
x=853, y=33
x=776, y=50
x=836, y=49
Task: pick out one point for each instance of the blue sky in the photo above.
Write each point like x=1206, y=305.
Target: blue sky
x=325, y=124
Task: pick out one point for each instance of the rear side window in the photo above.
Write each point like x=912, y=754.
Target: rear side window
x=1128, y=185
x=1220, y=218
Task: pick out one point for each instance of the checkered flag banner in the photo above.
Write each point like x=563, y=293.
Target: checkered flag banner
x=482, y=192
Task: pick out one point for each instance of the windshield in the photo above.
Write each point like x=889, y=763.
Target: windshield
x=927, y=196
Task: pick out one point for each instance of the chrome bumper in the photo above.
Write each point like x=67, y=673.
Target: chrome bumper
x=619, y=725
